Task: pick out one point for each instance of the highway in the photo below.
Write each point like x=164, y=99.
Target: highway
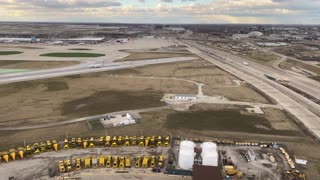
x=294, y=103
x=84, y=68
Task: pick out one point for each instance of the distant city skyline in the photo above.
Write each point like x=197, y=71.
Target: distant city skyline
x=163, y=11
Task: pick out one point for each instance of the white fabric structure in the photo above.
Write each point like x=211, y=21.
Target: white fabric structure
x=209, y=154
x=255, y=34
x=186, y=154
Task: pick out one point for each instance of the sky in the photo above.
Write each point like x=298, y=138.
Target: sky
x=163, y=11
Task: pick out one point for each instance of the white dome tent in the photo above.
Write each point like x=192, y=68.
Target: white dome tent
x=209, y=154
x=186, y=154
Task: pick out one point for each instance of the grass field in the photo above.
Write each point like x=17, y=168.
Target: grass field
x=134, y=56
x=8, y=71
x=75, y=54
x=34, y=65
x=289, y=63
x=261, y=57
x=4, y=53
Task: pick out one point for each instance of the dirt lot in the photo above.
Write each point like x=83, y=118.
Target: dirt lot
x=289, y=63
x=260, y=57
x=34, y=64
x=134, y=56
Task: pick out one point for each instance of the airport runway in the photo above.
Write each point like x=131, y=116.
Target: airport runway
x=84, y=68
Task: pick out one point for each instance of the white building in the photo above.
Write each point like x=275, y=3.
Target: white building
x=209, y=154
x=186, y=155
x=185, y=97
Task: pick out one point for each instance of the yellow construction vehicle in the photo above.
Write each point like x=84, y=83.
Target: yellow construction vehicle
x=85, y=143
x=138, y=161
x=159, y=141
x=141, y=141
x=55, y=145
x=153, y=161
x=5, y=156
x=101, y=161
x=109, y=161
x=66, y=144
x=78, y=164
x=108, y=141
x=91, y=142
x=43, y=147
x=101, y=143
x=115, y=162
x=21, y=152
x=127, y=141
x=147, y=140
x=79, y=143
x=28, y=151
x=67, y=164
x=152, y=142
x=122, y=161
x=119, y=141
x=145, y=162
x=167, y=141
x=114, y=141
x=230, y=170
x=128, y=162
x=73, y=142
x=134, y=141
x=12, y=153
x=36, y=148
x=49, y=146
x=61, y=167
x=160, y=161
x=94, y=161
x=87, y=162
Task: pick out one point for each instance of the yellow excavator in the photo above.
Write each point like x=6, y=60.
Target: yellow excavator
x=49, y=146
x=161, y=161
x=5, y=156
x=36, y=148
x=153, y=161
x=159, y=141
x=119, y=141
x=128, y=162
x=78, y=164
x=127, y=141
x=108, y=141
x=61, y=167
x=21, y=152
x=134, y=141
x=167, y=141
x=101, y=141
x=43, y=147
x=141, y=141
x=55, y=145
x=67, y=163
x=65, y=144
x=102, y=161
x=138, y=161
x=79, y=143
x=28, y=151
x=147, y=140
x=109, y=161
x=73, y=142
x=85, y=143
x=91, y=142
x=87, y=162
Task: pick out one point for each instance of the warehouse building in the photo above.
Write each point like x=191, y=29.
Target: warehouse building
x=185, y=97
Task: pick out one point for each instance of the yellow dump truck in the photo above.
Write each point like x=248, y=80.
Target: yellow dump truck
x=91, y=142
x=29, y=151
x=36, y=148
x=161, y=161
x=12, y=153
x=85, y=143
x=159, y=141
x=49, y=146
x=101, y=141
x=43, y=147
x=167, y=141
x=87, y=162
x=147, y=140
x=101, y=161
x=145, y=162
x=79, y=143
x=67, y=164
x=153, y=161
x=127, y=141
x=141, y=141
x=66, y=144
x=230, y=170
x=5, y=156
x=138, y=161
x=78, y=164
x=134, y=141
x=128, y=162
x=108, y=141
x=115, y=162
x=109, y=161
x=21, y=152
x=73, y=142
x=61, y=167
x=114, y=141
x=55, y=145
x=122, y=161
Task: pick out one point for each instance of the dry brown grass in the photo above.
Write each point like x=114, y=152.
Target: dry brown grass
x=134, y=56
x=34, y=64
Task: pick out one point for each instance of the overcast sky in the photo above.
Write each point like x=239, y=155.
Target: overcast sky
x=163, y=11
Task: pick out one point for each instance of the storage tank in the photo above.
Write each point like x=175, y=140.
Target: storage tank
x=209, y=154
x=186, y=155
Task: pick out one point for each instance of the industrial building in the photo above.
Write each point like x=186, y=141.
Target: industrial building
x=185, y=97
x=85, y=40
x=117, y=120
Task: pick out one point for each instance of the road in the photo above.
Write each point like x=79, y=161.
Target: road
x=253, y=75
x=83, y=68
